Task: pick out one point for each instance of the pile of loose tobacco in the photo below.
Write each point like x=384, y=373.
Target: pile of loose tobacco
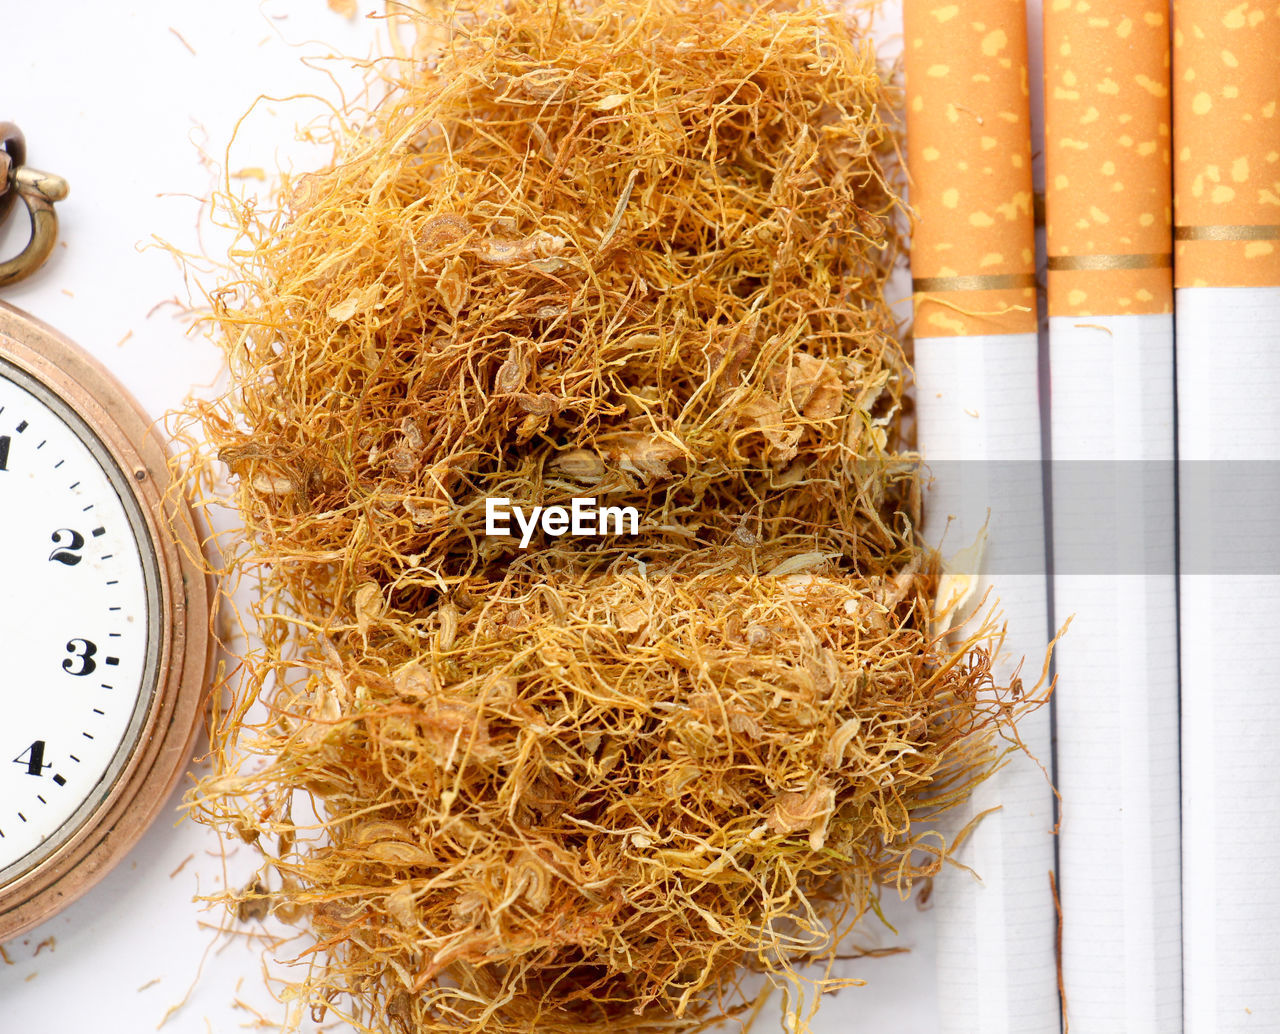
x=633, y=251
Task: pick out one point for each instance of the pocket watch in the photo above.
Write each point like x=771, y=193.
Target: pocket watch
x=104, y=613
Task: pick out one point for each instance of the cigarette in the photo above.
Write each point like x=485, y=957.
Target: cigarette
x=1108, y=210
x=978, y=420
x=1226, y=66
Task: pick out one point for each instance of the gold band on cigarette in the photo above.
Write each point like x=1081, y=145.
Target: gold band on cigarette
x=1107, y=263
x=1108, y=204
x=969, y=157
x=1226, y=63
x=1227, y=233
x=999, y=282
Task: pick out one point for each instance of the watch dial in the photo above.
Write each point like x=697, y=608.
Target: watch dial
x=77, y=610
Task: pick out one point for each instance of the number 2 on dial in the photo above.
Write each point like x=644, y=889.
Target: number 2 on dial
x=69, y=543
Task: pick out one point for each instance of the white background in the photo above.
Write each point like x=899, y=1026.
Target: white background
x=112, y=99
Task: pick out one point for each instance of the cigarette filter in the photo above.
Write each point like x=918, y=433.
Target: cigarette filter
x=1227, y=142
x=969, y=157
x=1107, y=143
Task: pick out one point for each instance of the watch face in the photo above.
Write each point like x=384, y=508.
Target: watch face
x=79, y=621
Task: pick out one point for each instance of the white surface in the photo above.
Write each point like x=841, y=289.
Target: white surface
x=979, y=424
x=114, y=101
x=1228, y=387
x=1117, y=694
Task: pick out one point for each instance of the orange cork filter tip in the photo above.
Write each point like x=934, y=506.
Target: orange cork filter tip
x=969, y=157
x=1108, y=204
x=1226, y=75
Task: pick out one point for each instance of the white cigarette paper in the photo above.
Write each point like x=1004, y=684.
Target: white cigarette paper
x=1116, y=697
x=1229, y=524
x=979, y=426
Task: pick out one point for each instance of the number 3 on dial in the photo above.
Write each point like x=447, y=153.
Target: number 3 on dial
x=81, y=661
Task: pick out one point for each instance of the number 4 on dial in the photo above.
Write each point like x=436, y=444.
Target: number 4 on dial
x=33, y=758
